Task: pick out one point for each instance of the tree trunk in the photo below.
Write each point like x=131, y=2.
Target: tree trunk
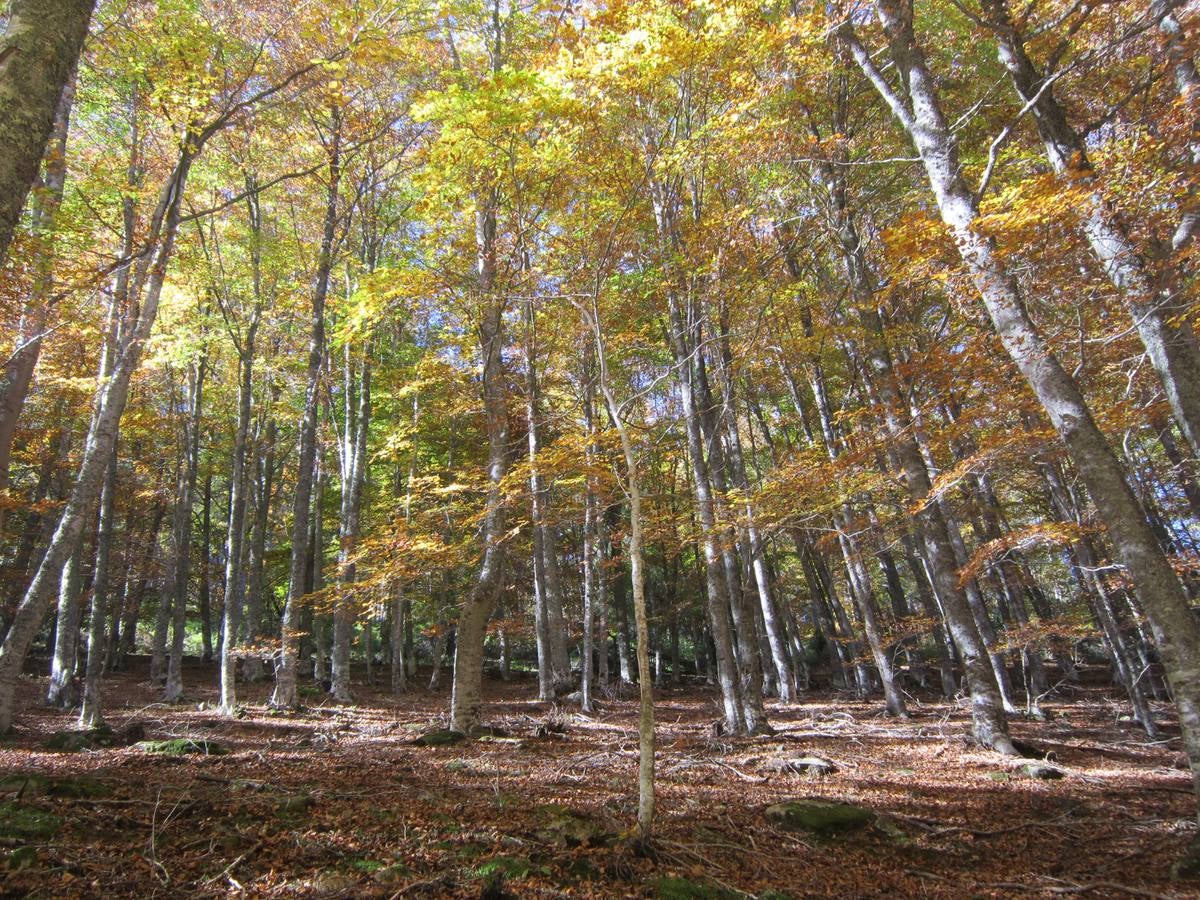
x=181, y=540
x=38, y=52
x=354, y=465
x=466, y=693
x=205, y=599
x=17, y=371
x=235, y=571
x=91, y=712
x=285, y=694
x=62, y=691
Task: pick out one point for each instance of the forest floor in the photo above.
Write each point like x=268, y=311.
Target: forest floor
x=337, y=801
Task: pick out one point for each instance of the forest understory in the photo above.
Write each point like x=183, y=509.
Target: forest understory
x=339, y=801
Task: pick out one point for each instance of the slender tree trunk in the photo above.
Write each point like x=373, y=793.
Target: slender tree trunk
x=354, y=464
x=206, y=629
x=285, y=694
x=235, y=571
x=645, y=816
x=62, y=691
x=181, y=542
x=253, y=626
x=466, y=694
x=91, y=712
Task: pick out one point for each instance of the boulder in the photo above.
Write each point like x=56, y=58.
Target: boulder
x=1044, y=772
x=440, y=738
x=800, y=765
x=820, y=817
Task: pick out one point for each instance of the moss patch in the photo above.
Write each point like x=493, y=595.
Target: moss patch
x=182, y=746
x=27, y=822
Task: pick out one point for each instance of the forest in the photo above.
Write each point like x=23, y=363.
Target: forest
x=611, y=448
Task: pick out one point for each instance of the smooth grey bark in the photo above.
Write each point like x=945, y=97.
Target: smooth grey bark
x=285, y=693
x=554, y=672
x=253, y=625
x=91, y=711
x=205, y=590
x=62, y=690
x=717, y=590
x=235, y=570
x=16, y=373
x=38, y=51
x=1187, y=83
x=1085, y=567
x=401, y=611
x=1162, y=596
x=353, y=460
x=646, y=799
x=466, y=693
x=742, y=607
x=181, y=529
x=592, y=561
x=716, y=586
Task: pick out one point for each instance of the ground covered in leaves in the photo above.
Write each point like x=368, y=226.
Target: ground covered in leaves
x=342, y=801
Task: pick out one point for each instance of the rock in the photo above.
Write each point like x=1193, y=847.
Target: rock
x=78, y=741
x=800, y=765
x=27, y=822
x=439, y=738
x=393, y=874
x=182, y=746
x=1046, y=773
x=294, y=804
x=570, y=828
x=999, y=776
x=819, y=816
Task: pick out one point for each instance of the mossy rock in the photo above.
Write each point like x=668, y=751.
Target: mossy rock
x=27, y=822
x=570, y=828
x=295, y=804
x=392, y=874
x=77, y=741
x=441, y=738
x=673, y=888
x=819, y=816
x=182, y=746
